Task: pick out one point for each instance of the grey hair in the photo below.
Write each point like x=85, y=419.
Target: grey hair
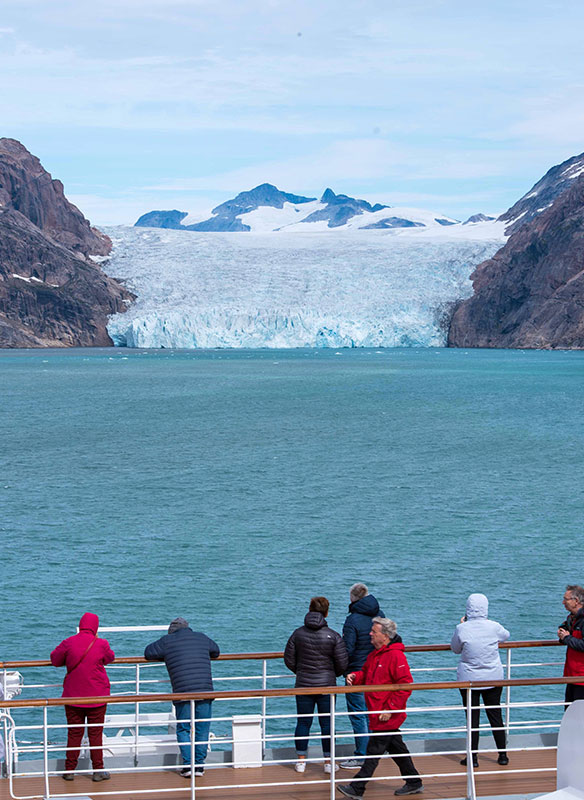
x=357, y=591
x=577, y=593
x=388, y=626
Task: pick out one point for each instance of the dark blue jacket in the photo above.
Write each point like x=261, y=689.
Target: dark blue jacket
x=357, y=628
x=187, y=655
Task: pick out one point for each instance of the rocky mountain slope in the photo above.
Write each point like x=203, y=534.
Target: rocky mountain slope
x=52, y=294
x=266, y=208
x=530, y=294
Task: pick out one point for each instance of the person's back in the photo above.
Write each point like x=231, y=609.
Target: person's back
x=357, y=628
x=316, y=653
x=85, y=656
x=187, y=655
x=477, y=640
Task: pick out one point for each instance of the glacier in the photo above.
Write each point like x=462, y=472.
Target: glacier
x=284, y=290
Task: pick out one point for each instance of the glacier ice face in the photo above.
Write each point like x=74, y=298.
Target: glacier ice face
x=365, y=289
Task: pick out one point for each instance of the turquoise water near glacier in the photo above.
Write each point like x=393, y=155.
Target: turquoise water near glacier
x=231, y=486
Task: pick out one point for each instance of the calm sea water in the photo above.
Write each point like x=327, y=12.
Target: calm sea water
x=230, y=486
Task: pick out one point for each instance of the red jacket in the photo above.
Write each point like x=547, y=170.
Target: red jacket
x=88, y=678
x=574, y=644
x=386, y=665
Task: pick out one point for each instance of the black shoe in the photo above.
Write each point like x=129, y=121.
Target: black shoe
x=101, y=776
x=199, y=771
x=410, y=788
x=68, y=776
x=348, y=791
x=185, y=772
x=503, y=759
x=475, y=762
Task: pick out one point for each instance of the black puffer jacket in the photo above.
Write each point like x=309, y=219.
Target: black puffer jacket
x=187, y=655
x=357, y=628
x=316, y=653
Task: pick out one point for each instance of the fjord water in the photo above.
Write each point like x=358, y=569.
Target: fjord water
x=231, y=486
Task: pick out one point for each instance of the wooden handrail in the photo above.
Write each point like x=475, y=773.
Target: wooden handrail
x=292, y=692
x=412, y=648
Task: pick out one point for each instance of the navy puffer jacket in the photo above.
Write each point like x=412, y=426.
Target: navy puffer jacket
x=316, y=653
x=357, y=628
x=187, y=655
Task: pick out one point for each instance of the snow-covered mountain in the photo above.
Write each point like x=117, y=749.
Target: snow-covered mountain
x=265, y=208
x=373, y=288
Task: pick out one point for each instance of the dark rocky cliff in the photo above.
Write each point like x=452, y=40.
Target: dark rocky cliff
x=51, y=293
x=531, y=293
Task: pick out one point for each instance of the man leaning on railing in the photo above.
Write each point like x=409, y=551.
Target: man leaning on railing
x=187, y=655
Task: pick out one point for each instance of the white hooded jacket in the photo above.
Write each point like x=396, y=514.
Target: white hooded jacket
x=477, y=640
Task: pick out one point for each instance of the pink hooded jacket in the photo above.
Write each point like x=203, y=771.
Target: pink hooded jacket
x=88, y=678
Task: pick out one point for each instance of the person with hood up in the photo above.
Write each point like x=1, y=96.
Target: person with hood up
x=362, y=609
x=386, y=664
x=477, y=640
x=317, y=655
x=187, y=655
x=85, y=656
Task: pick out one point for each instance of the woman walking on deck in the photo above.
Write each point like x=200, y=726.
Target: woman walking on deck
x=85, y=657
x=477, y=640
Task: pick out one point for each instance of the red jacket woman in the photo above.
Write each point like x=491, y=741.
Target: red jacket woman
x=85, y=657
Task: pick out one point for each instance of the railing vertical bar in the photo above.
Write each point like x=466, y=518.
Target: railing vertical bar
x=470, y=781
x=508, y=695
x=264, y=704
x=193, y=750
x=136, y=729
x=46, y=753
x=333, y=747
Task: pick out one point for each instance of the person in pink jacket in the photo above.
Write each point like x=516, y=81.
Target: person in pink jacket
x=85, y=657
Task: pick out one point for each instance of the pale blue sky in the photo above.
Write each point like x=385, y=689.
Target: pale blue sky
x=140, y=104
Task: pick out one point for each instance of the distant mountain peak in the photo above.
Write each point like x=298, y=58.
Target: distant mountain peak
x=298, y=212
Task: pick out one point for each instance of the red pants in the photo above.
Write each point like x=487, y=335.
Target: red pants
x=77, y=716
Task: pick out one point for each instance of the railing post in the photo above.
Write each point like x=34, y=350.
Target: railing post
x=470, y=782
x=508, y=695
x=137, y=712
x=46, y=753
x=264, y=704
x=333, y=747
x=192, y=750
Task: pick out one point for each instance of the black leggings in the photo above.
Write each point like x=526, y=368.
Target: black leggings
x=491, y=697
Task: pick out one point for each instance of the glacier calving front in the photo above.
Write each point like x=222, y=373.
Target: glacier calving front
x=289, y=290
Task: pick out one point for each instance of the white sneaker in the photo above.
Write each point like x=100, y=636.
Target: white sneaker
x=328, y=770
x=300, y=766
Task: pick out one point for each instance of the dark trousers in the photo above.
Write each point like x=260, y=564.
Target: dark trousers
x=393, y=744
x=77, y=717
x=574, y=691
x=491, y=697
x=305, y=704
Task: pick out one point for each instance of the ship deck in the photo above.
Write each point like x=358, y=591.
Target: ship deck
x=502, y=781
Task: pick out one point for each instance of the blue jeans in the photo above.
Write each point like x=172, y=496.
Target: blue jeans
x=203, y=713
x=305, y=705
x=359, y=721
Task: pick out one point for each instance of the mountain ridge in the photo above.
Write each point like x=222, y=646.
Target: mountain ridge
x=530, y=294
x=52, y=293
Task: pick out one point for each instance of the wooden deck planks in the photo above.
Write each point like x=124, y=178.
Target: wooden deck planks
x=503, y=782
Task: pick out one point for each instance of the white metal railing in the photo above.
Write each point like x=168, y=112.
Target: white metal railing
x=340, y=734
x=144, y=726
